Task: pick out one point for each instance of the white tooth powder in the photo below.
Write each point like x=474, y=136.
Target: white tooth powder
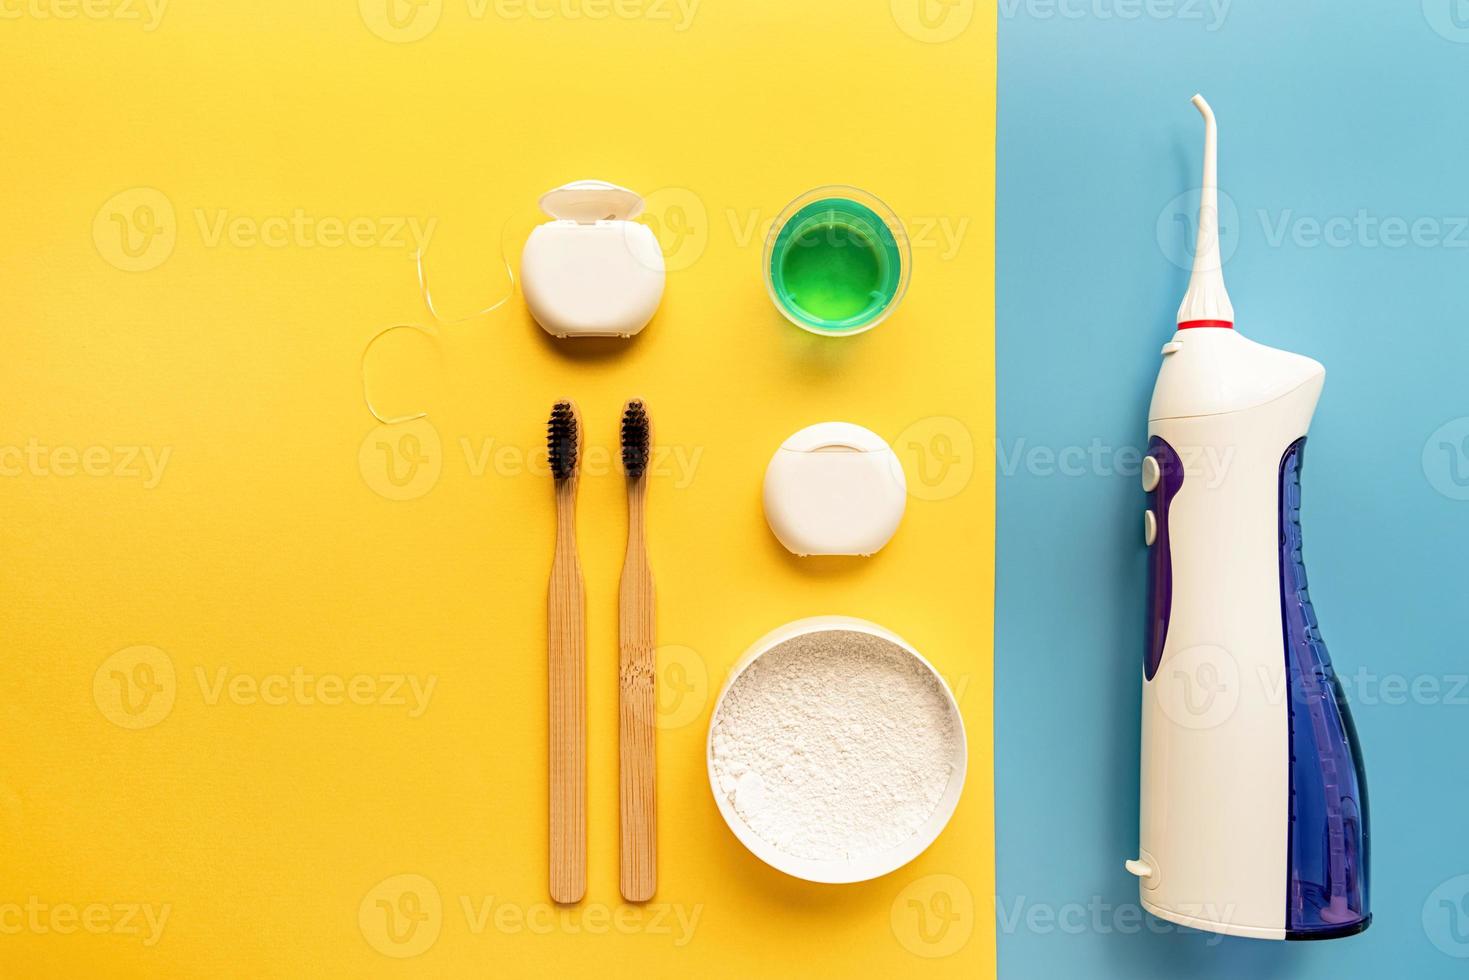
x=835, y=745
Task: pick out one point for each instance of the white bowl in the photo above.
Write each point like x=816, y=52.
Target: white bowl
x=867, y=866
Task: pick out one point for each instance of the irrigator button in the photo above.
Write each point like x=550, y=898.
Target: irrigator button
x=1151, y=474
x=1173, y=347
x=1150, y=528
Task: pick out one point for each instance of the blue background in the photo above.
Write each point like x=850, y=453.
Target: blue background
x=1326, y=111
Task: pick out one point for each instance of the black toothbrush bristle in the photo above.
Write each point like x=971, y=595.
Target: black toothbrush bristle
x=561, y=439
x=635, y=439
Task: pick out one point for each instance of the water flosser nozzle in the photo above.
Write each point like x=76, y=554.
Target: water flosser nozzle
x=1207, y=302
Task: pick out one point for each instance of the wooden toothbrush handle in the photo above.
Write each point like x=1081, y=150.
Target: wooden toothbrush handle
x=637, y=756
x=566, y=646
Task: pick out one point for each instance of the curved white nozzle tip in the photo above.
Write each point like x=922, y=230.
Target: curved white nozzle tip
x=1207, y=299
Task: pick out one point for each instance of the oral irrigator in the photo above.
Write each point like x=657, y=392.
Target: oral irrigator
x=1254, y=807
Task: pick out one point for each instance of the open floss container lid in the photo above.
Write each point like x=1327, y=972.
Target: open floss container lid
x=837, y=261
x=592, y=271
x=835, y=489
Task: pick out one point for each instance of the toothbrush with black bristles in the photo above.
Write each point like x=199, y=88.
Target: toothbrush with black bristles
x=566, y=650
x=637, y=668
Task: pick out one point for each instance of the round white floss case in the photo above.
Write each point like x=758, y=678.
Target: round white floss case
x=592, y=271
x=835, y=489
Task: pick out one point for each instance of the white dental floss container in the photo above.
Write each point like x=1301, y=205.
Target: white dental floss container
x=835, y=488
x=592, y=271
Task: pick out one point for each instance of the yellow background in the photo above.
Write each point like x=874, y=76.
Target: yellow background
x=269, y=541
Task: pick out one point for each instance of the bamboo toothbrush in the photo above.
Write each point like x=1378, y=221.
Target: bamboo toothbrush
x=637, y=667
x=566, y=649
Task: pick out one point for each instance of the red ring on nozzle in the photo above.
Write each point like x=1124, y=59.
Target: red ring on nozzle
x=1191, y=324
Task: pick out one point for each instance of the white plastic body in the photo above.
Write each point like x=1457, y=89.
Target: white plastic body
x=597, y=280
x=835, y=489
x=592, y=272
x=1215, y=717
x=864, y=867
